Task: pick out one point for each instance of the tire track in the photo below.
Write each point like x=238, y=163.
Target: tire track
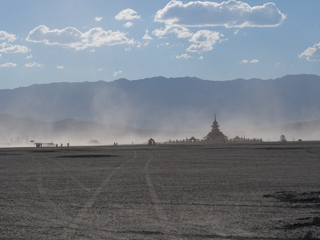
x=63, y=218
x=167, y=227
x=82, y=216
x=76, y=181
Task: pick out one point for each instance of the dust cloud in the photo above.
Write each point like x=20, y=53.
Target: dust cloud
x=119, y=113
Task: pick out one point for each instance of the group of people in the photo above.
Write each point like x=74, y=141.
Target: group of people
x=62, y=145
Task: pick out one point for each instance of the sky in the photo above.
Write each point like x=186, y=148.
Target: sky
x=44, y=41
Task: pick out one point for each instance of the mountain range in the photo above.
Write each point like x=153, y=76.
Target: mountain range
x=171, y=104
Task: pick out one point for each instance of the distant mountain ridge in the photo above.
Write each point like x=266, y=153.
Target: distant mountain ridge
x=171, y=103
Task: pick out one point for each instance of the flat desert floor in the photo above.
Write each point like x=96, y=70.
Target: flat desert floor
x=199, y=191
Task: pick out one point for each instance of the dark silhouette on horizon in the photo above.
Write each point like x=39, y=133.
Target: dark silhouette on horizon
x=215, y=135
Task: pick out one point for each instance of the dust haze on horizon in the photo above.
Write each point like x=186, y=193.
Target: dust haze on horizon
x=43, y=42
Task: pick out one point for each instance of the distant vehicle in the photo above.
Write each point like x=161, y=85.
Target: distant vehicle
x=40, y=144
x=283, y=138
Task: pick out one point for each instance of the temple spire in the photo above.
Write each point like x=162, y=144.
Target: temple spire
x=215, y=135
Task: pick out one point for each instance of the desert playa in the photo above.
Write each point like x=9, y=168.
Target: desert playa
x=191, y=191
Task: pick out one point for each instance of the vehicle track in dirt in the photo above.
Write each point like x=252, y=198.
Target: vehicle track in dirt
x=81, y=218
x=167, y=227
x=58, y=212
x=75, y=180
x=81, y=221
x=161, y=192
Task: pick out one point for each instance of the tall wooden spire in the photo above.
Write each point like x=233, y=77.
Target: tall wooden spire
x=215, y=135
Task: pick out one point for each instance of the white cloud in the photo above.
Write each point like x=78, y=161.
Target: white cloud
x=60, y=67
x=9, y=64
x=128, y=25
x=147, y=36
x=236, y=32
x=29, y=56
x=4, y=36
x=9, y=48
x=204, y=40
x=127, y=14
x=34, y=64
x=186, y=56
x=202, y=47
x=201, y=58
x=252, y=61
x=311, y=53
x=181, y=32
x=68, y=36
x=163, y=44
x=230, y=13
x=117, y=73
x=206, y=36
x=73, y=38
x=98, y=19
x=100, y=69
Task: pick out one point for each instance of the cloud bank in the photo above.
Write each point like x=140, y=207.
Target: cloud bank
x=4, y=36
x=179, y=17
x=73, y=38
x=228, y=14
x=312, y=53
x=7, y=47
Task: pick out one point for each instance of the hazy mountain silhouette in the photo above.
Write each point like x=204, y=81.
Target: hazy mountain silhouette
x=171, y=103
x=16, y=130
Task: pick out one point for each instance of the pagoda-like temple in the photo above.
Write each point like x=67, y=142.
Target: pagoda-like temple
x=215, y=135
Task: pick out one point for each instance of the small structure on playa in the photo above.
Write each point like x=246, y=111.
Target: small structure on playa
x=215, y=135
x=151, y=141
x=283, y=138
x=243, y=139
x=192, y=139
x=40, y=144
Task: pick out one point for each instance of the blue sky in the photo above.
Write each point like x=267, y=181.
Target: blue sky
x=43, y=41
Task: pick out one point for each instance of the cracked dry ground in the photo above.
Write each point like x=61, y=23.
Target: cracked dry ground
x=199, y=191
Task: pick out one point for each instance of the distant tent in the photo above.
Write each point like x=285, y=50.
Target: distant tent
x=192, y=139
